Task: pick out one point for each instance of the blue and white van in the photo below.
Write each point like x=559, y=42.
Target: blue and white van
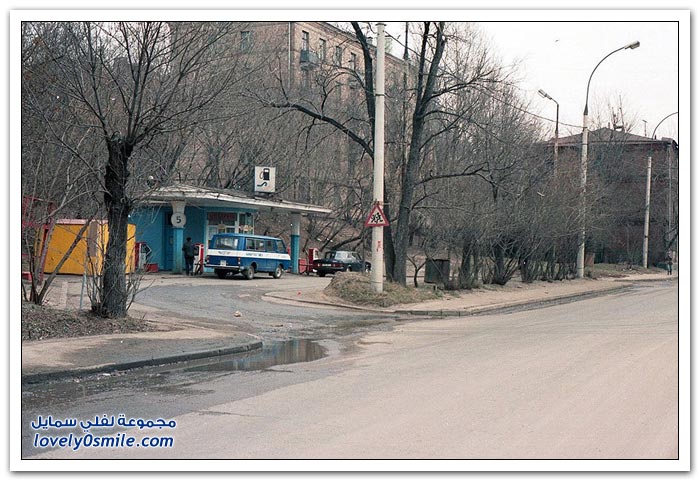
x=230, y=254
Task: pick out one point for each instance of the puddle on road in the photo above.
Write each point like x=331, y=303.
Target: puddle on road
x=272, y=354
x=172, y=378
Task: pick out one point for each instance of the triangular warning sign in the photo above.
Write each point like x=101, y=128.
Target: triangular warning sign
x=376, y=217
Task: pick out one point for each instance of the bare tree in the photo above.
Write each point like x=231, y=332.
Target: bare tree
x=56, y=180
x=437, y=77
x=132, y=83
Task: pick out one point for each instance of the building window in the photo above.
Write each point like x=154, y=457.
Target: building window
x=353, y=61
x=322, y=50
x=246, y=41
x=338, y=57
x=305, y=41
x=339, y=92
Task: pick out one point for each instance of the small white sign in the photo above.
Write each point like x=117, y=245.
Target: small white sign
x=178, y=219
x=265, y=179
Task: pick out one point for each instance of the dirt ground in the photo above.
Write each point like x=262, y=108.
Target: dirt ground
x=62, y=319
x=41, y=322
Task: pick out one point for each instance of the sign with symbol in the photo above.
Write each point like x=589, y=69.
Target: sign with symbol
x=376, y=217
x=265, y=179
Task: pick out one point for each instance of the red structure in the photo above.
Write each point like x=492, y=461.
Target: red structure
x=37, y=225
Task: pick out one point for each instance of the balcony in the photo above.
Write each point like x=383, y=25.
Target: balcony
x=308, y=59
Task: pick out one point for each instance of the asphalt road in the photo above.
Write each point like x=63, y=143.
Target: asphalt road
x=214, y=303
x=594, y=379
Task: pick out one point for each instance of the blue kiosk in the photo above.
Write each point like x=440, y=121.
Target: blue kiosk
x=172, y=213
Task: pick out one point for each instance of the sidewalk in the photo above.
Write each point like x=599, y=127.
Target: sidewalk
x=489, y=298
x=182, y=339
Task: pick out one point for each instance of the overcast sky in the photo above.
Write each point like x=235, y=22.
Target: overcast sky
x=555, y=51
x=559, y=57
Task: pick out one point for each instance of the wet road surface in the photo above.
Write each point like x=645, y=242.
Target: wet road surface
x=240, y=304
x=595, y=379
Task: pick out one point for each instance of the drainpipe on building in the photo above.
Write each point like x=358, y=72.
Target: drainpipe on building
x=289, y=54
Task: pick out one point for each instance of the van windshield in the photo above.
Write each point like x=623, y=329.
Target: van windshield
x=222, y=242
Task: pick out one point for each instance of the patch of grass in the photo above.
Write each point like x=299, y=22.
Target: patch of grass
x=355, y=288
x=40, y=322
x=618, y=270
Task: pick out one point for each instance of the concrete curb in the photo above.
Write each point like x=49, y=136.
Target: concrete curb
x=121, y=366
x=534, y=303
x=655, y=279
x=469, y=311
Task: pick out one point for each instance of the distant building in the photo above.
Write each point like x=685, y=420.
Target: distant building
x=301, y=49
x=312, y=64
x=619, y=159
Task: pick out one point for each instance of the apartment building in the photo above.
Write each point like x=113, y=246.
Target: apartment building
x=620, y=160
x=302, y=50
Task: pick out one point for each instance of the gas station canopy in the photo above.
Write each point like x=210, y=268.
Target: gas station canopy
x=209, y=197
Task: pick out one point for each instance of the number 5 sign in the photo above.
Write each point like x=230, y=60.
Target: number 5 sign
x=178, y=219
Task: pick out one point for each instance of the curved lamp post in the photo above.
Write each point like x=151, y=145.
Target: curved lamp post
x=645, y=248
x=581, y=255
x=545, y=95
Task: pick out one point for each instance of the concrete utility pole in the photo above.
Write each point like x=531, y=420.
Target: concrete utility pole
x=377, y=274
x=545, y=95
x=581, y=254
x=645, y=253
x=669, y=214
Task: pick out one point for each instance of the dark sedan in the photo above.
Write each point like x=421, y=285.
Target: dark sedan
x=340, y=261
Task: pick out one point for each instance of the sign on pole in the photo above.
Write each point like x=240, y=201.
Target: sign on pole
x=376, y=217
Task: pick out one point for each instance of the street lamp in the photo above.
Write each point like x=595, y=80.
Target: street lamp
x=645, y=248
x=581, y=255
x=545, y=95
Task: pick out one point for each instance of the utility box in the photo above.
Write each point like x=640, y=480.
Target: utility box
x=437, y=271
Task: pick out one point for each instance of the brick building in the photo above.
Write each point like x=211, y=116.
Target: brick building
x=300, y=50
x=617, y=162
x=311, y=64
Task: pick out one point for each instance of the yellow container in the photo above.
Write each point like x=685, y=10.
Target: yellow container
x=88, y=254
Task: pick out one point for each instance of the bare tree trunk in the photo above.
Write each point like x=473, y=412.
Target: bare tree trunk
x=389, y=251
x=499, y=276
x=406, y=203
x=115, y=295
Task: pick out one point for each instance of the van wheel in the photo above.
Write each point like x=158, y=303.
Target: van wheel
x=221, y=273
x=278, y=272
x=249, y=273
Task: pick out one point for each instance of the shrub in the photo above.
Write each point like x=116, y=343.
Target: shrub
x=355, y=288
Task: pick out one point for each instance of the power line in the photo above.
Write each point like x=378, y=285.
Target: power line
x=525, y=111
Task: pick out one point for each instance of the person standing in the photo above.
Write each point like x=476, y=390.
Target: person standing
x=669, y=262
x=188, y=250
